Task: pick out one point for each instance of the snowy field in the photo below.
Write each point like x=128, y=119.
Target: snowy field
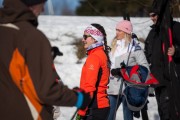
x=62, y=31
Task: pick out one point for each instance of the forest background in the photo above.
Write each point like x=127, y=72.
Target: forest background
x=134, y=8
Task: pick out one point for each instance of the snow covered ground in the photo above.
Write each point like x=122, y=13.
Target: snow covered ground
x=62, y=31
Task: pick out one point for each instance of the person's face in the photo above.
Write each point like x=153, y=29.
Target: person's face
x=153, y=17
x=87, y=40
x=120, y=34
x=37, y=9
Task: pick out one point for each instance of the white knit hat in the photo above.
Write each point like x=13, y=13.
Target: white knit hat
x=95, y=33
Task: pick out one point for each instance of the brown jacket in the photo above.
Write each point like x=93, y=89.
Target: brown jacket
x=27, y=79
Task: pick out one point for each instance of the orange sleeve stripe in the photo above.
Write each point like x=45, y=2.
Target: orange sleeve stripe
x=21, y=77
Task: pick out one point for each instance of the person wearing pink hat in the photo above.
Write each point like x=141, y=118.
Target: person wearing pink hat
x=122, y=46
x=124, y=26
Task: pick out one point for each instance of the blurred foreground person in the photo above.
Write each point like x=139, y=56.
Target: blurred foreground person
x=28, y=86
x=95, y=73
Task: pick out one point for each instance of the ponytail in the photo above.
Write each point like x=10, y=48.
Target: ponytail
x=107, y=49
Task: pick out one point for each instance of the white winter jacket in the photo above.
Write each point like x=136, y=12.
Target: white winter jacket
x=121, y=54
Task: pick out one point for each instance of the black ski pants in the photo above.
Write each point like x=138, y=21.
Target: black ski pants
x=97, y=114
x=162, y=98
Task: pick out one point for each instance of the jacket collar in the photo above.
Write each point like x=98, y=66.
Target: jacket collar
x=97, y=48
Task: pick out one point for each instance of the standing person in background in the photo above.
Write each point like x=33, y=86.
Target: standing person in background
x=123, y=46
x=28, y=86
x=123, y=29
x=95, y=73
x=154, y=54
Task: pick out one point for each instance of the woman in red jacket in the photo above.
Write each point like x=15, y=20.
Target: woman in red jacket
x=95, y=73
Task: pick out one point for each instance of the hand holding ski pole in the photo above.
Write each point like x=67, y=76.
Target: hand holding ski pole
x=82, y=102
x=83, y=98
x=171, y=51
x=79, y=117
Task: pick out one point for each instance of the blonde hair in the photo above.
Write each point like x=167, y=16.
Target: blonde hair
x=113, y=45
x=127, y=38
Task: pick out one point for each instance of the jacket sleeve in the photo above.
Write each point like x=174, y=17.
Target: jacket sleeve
x=40, y=67
x=176, y=39
x=141, y=58
x=148, y=46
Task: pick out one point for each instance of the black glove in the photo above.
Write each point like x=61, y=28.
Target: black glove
x=116, y=72
x=79, y=117
x=136, y=114
x=83, y=99
x=134, y=36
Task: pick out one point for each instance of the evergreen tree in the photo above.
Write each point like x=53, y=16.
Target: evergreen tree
x=113, y=7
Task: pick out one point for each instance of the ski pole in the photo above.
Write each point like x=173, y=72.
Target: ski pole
x=119, y=95
x=72, y=118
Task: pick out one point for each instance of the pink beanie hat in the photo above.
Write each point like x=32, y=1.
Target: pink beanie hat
x=125, y=26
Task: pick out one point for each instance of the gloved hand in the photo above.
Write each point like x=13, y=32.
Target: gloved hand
x=134, y=36
x=116, y=72
x=79, y=117
x=83, y=98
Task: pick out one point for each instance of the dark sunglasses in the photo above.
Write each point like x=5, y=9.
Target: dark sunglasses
x=152, y=15
x=86, y=36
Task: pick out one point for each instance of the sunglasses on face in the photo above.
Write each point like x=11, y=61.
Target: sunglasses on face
x=152, y=15
x=86, y=36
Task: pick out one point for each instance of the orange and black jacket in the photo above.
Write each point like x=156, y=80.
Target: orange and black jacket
x=27, y=79
x=94, y=78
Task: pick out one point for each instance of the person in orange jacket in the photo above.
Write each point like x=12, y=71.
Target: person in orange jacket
x=95, y=73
